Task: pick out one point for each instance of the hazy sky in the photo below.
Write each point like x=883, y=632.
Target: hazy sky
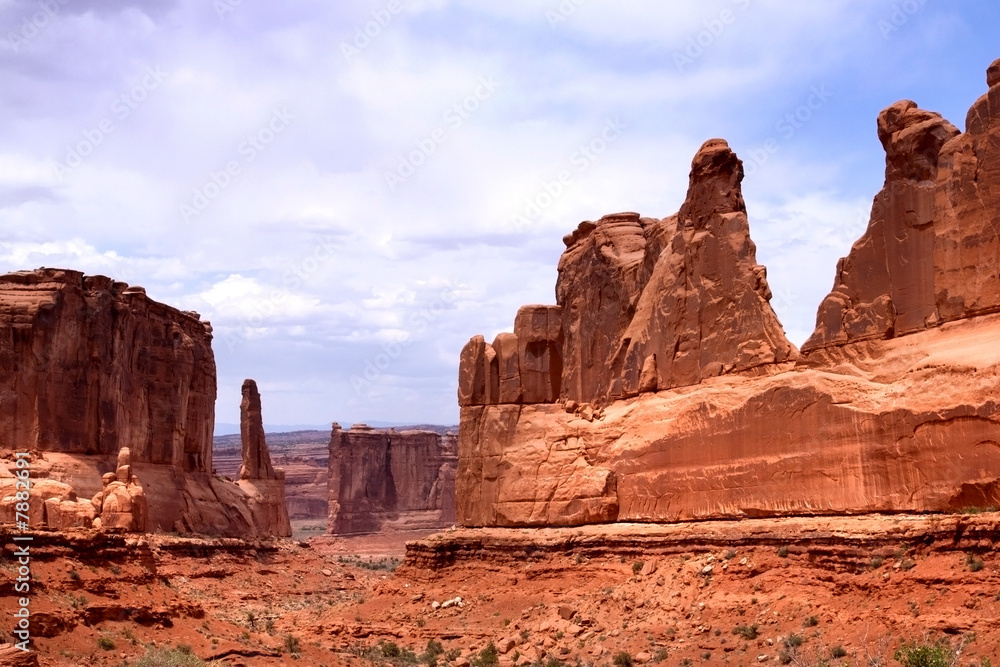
x=349, y=191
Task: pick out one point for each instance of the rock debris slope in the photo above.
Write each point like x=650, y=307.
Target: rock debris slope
x=661, y=386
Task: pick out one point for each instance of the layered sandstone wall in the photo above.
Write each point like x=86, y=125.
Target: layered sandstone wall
x=385, y=480
x=679, y=397
x=90, y=367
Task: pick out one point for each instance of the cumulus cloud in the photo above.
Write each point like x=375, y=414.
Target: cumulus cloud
x=350, y=191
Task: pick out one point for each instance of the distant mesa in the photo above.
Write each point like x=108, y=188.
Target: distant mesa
x=661, y=386
x=387, y=480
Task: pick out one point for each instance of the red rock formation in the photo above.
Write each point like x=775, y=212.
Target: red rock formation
x=383, y=480
x=680, y=398
x=256, y=459
x=930, y=253
x=89, y=366
x=264, y=486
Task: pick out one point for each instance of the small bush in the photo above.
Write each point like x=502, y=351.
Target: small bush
x=783, y=551
x=660, y=655
x=292, y=644
x=486, y=657
x=907, y=564
x=974, y=564
x=623, y=659
x=390, y=650
x=637, y=567
x=811, y=622
x=876, y=562
x=793, y=641
x=747, y=632
x=106, y=643
x=74, y=575
x=924, y=654
x=838, y=651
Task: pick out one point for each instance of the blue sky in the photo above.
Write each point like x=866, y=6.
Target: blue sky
x=349, y=192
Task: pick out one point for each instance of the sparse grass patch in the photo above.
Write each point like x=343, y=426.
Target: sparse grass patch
x=925, y=654
x=973, y=562
x=166, y=657
x=487, y=657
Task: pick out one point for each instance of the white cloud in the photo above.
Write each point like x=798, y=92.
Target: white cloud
x=351, y=265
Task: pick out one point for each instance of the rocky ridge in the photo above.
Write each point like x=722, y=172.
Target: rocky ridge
x=662, y=388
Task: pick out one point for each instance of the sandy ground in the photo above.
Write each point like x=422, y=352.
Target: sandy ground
x=739, y=594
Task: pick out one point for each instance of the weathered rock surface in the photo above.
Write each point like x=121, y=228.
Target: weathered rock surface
x=97, y=378
x=264, y=486
x=256, y=458
x=681, y=398
x=642, y=305
x=931, y=253
x=384, y=479
x=301, y=455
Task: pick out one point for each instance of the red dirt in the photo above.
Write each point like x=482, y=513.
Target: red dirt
x=862, y=583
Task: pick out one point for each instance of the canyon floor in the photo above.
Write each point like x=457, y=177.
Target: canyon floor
x=842, y=590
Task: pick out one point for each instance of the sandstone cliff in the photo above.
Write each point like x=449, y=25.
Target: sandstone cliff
x=89, y=366
x=662, y=387
x=931, y=253
x=386, y=480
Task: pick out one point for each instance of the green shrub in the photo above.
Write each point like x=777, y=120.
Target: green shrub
x=291, y=644
x=623, y=659
x=747, y=632
x=975, y=564
x=838, y=651
x=811, y=622
x=783, y=551
x=637, y=567
x=924, y=654
x=486, y=657
x=106, y=643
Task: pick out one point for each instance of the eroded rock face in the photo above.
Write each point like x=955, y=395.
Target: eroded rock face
x=681, y=398
x=91, y=365
x=930, y=253
x=643, y=305
x=385, y=480
x=98, y=379
x=256, y=458
x=264, y=486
